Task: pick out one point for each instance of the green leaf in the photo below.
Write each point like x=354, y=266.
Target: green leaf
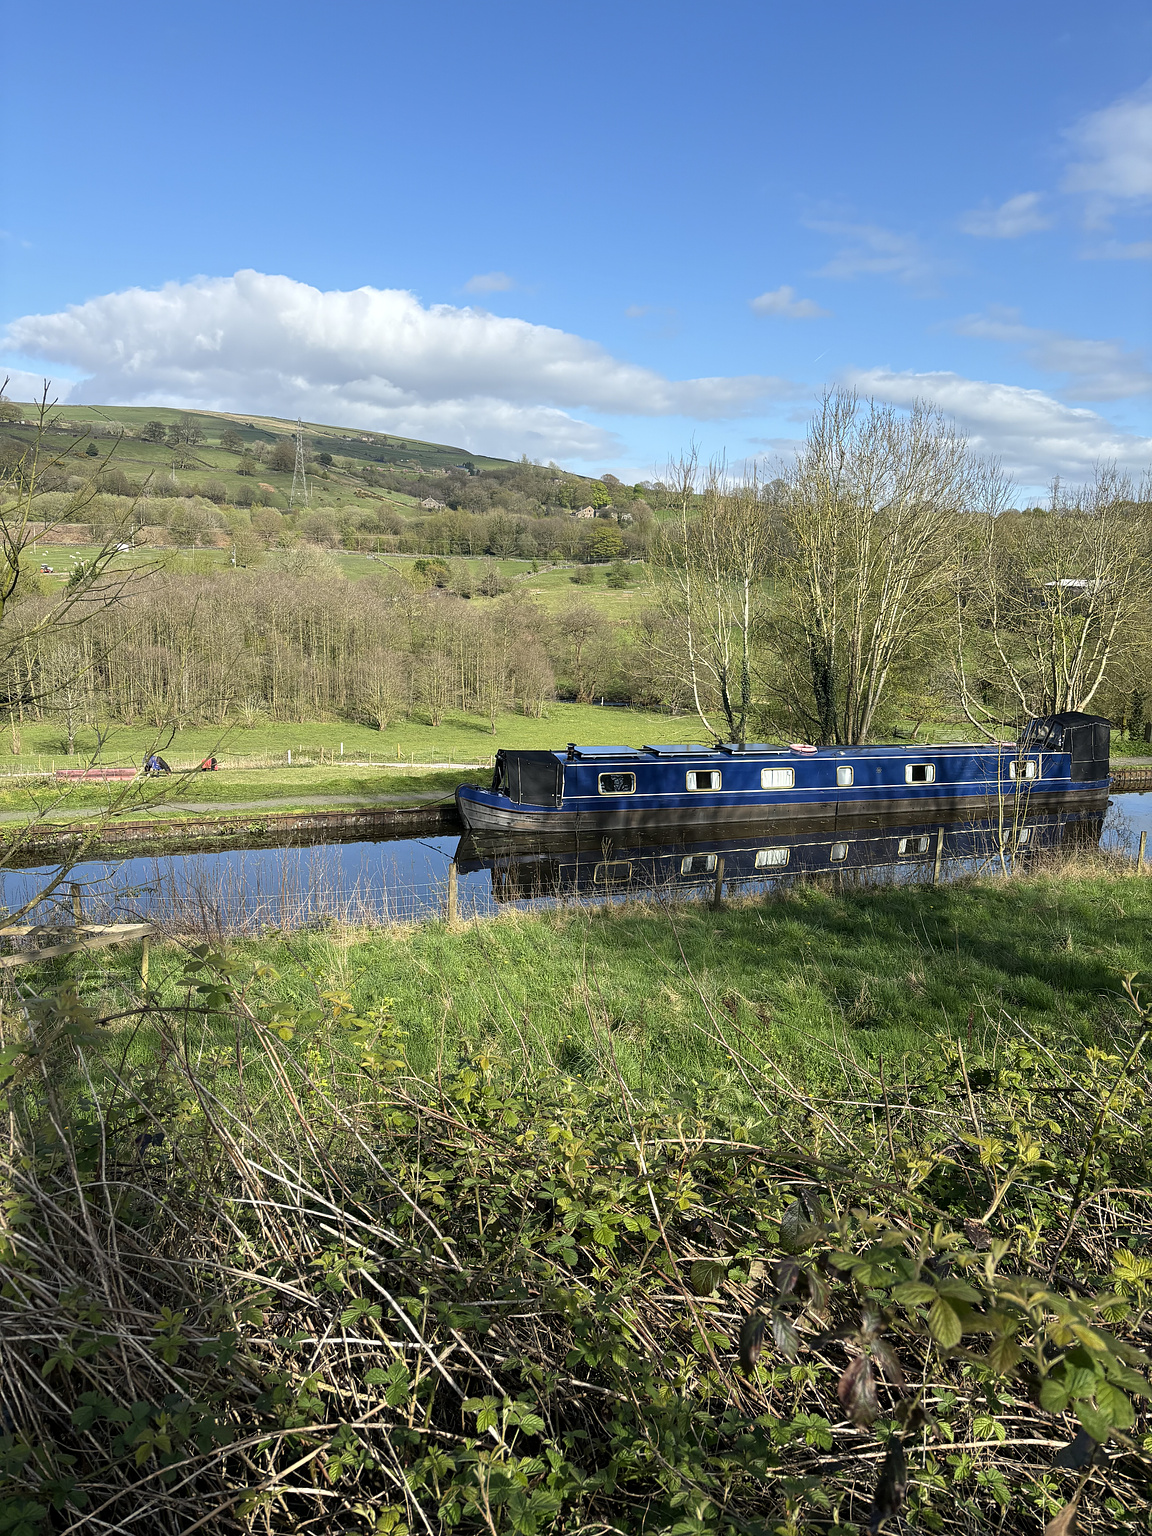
x=1003, y=1355
x=706, y=1275
x=1111, y=1401
x=944, y=1324
x=958, y=1290
x=1095, y=1422
x=1053, y=1395
x=914, y=1293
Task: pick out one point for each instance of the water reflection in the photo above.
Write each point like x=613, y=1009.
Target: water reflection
x=637, y=863
x=402, y=880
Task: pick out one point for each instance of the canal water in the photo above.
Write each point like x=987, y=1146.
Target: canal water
x=239, y=890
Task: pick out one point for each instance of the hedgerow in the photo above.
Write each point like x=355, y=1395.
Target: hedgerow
x=277, y=1282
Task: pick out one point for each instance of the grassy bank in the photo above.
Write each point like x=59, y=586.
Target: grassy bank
x=823, y=984
x=597, y=1222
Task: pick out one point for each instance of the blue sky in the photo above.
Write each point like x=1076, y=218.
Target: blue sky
x=595, y=233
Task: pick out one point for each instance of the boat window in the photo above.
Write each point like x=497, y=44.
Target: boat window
x=777, y=778
x=919, y=773
x=771, y=858
x=612, y=874
x=837, y=852
x=616, y=783
x=703, y=778
x=698, y=864
x=1024, y=770
x=844, y=777
x=913, y=845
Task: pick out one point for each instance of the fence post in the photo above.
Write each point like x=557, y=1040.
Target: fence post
x=939, y=856
x=144, y=963
x=77, y=905
x=453, y=893
x=1140, y=853
x=718, y=892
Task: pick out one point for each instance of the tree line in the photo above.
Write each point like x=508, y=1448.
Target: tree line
x=887, y=570
x=884, y=576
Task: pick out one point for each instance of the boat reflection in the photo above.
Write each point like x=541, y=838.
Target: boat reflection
x=640, y=861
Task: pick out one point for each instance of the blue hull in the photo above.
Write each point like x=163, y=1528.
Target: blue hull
x=621, y=788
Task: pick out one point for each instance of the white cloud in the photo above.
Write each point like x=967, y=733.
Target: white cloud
x=1118, y=250
x=1114, y=151
x=489, y=282
x=783, y=302
x=1097, y=370
x=26, y=386
x=1020, y=215
x=873, y=250
x=1035, y=435
x=372, y=357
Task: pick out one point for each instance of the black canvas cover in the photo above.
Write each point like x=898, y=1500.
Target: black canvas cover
x=1086, y=737
x=529, y=778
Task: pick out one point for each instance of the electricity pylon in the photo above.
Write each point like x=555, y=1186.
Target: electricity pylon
x=299, y=478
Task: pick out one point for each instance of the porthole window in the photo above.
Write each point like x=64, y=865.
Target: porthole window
x=837, y=852
x=613, y=873
x=919, y=773
x=1024, y=770
x=844, y=777
x=703, y=778
x=616, y=783
x=910, y=846
x=771, y=858
x=777, y=778
x=698, y=864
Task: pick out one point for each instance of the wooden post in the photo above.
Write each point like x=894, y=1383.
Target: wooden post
x=718, y=892
x=144, y=963
x=77, y=905
x=1140, y=853
x=939, y=856
x=453, y=893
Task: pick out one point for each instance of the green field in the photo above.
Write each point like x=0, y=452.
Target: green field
x=374, y=765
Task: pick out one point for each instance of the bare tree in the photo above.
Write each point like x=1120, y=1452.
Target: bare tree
x=865, y=552
x=45, y=652
x=1047, y=604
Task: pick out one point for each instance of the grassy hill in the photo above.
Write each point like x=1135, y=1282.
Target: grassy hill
x=118, y=432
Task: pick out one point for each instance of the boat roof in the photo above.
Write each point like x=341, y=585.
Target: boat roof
x=775, y=749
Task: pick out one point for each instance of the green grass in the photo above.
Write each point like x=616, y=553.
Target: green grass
x=291, y=788
x=824, y=986
x=460, y=739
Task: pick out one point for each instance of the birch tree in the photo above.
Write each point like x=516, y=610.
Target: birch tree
x=712, y=563
x=1049, y=604
x=864, y=554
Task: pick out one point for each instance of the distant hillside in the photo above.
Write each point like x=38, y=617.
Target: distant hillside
x=194, y=478
x=350, y=442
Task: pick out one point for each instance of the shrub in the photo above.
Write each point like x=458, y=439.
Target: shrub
x=499, y=1301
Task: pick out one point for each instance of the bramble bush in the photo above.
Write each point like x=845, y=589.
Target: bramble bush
x=275, y=1282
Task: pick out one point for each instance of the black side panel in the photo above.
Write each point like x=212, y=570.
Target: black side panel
x=1085, y=737
x=534, y=778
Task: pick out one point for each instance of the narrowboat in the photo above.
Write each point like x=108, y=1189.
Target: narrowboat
x=566, y=867
x=1056, y=760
